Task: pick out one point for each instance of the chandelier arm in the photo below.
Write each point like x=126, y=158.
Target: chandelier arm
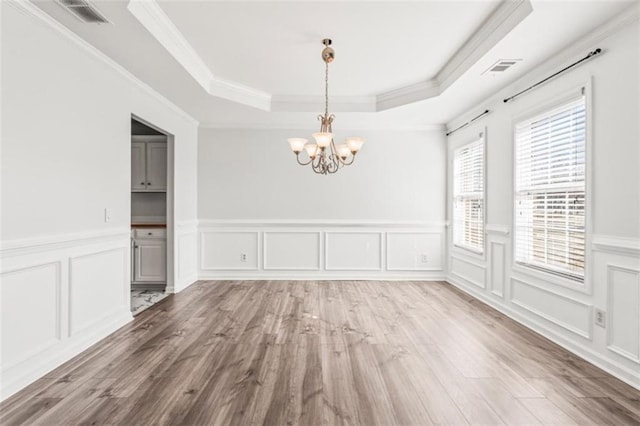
x=301, y=163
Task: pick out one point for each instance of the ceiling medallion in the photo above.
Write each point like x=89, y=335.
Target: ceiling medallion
x=325, y=156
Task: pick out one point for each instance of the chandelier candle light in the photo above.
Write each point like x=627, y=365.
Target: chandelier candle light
x=325, y=156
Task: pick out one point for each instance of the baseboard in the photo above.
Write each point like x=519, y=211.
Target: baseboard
x=185, y=283
x=320, y=277
x=632, y=378
x=30, y=370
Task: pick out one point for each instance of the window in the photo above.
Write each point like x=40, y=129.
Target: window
x=550, y=190
x=468, y=196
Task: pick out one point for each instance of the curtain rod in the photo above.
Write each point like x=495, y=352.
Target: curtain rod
x=486, y=111
x=589, y=56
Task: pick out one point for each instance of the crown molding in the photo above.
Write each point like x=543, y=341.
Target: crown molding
x=407, y=95
x=156, y=21
x=29, y=8
x=501, y=22
x=507, y=15
x=558, y=59
x=283, y=103
x=306, y=127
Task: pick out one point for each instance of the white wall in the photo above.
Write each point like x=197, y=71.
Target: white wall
x=66, y=113
x=557, y=308
x=374, y=218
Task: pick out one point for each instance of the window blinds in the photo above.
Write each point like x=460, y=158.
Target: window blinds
x=550, y=190
x=468, y=196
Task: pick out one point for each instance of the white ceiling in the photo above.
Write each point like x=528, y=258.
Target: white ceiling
x=273, y=48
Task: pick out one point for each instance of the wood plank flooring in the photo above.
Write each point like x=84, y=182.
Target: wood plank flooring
x=323, y=352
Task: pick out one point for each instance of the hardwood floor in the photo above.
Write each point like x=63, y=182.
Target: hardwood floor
x=323, y=352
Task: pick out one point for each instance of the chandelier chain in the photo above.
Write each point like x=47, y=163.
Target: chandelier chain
x=326, y=88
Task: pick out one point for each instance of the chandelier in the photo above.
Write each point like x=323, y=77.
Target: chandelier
x=325, y=156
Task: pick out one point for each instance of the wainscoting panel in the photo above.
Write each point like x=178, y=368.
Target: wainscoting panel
x=92, y=296
x=26, y=332
x=59, y=295
x=497, y=267
x=469, y=270
x=320, y=250
x=414, y=251
x=623, y=307
x=353, y=251
x=224, y=250
x=291, y=250
x=566, y=312
x=187, y=255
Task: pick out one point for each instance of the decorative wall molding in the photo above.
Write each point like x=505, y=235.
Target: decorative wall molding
x=29, y=8
x=61, y=241
x=303, y=126
x=466, y=275
x=587, y=308
x=616, y=245
x=76, y=265
x=389, y=252
x=221, y=257
x=502, y=230
x=292, y=252
x=337, y=250
x=319, y=223
x=623, y=312
x=630, y=376
x=497, y=274
x=351, y=237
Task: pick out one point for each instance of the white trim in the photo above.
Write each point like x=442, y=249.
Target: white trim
x=491, y=270
x=31, y=9
x=324, y=276
x=439, y=233
x=30, y=370
x=506, y=16
x=265, y=267
x=156, y=21
x=307, y=127
x=471, y=262
x=635, y=357
x=588, y=334
x=245, y=268
x=490, y=228
x=617, y=245
x=559, y=98
x=319, y=223
x=54, y=242
x=631, y=377
x=380, y=266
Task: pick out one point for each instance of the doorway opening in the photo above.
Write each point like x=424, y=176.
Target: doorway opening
x=151, y=215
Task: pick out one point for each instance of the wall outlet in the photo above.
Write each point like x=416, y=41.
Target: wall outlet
x=243, y=257
x=424, y=258
x=107, y=215
x=601, y=318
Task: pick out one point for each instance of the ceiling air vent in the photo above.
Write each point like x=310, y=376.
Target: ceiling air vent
x=84, y=11
x=501, y=66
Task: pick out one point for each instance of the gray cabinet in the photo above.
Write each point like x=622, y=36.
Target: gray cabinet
x=149, y=263
x=148, y=164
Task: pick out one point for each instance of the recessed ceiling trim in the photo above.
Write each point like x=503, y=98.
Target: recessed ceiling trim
x=507, y=15
x=280, y=103
x=153, y=18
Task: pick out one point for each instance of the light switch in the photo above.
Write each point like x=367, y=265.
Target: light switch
x=107, y=215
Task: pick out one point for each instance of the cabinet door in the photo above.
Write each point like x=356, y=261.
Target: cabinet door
x=150, y=261
x=138, y=161
x=156, y=166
